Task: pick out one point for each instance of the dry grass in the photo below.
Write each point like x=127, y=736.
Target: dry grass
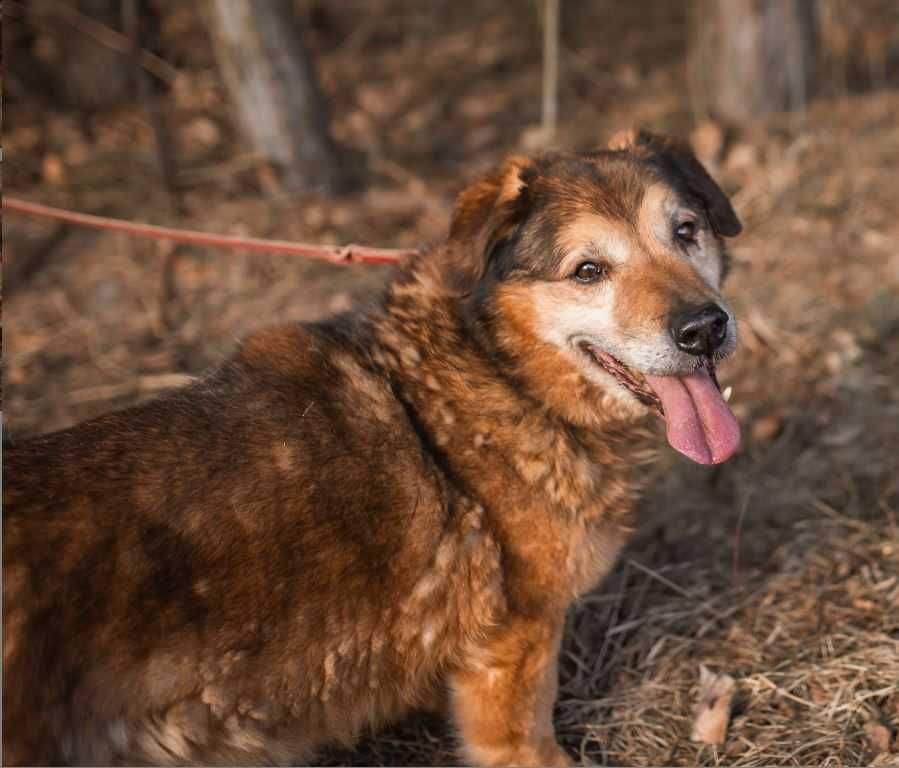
x=816, y=655
x=780, y=568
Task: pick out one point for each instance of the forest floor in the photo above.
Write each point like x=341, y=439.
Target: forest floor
x=779, y=568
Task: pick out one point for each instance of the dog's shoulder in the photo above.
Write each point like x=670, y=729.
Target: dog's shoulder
x=319, y=378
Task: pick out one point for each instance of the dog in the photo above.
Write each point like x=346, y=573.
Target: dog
x=390, y=510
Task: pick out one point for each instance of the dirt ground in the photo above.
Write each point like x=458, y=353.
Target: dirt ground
x=779, y=568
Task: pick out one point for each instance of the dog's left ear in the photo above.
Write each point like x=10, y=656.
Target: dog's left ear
x=487, y=214
x=675, y=157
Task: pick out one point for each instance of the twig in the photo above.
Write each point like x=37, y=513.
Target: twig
x=337, y=254
x=165, y=151
x=668, y=583
x=214, y=171
x=550, y=67
x=99, y=33
x=19, y=271
x=736, y=551
x=143, y=385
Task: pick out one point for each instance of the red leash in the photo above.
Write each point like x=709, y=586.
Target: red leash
x=337, y=254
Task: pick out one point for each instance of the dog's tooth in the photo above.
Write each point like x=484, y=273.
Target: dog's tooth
x=728, y=391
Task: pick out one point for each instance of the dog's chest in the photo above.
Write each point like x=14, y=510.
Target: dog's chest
x=567, y=510
x=591, y=554
x=425, y=623
x=457, y=596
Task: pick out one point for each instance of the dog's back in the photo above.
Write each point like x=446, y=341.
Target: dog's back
x=145, y=552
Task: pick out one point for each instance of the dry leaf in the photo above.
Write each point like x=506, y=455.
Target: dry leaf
x=864, y=605
x=201, y=133
x=766, y=428
x=878, y=737
x=535, y=138
x=53, y=170
x=743, y=159
x=716, y=692
x=707, y=140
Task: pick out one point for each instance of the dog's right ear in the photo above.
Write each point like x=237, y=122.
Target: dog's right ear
x=678, y=158
x=486, y=214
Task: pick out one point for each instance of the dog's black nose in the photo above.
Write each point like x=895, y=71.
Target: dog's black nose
x=700, y=331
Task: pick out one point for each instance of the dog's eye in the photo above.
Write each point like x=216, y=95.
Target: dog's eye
x=686, y=231
x=589, y=271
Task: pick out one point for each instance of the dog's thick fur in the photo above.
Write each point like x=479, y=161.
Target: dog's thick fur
x=350, y=520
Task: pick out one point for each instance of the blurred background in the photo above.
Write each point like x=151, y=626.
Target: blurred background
x=359, y=121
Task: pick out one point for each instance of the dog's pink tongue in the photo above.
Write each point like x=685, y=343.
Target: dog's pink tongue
x=699, y=422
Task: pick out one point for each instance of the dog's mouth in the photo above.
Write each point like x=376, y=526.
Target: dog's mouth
x=699, y=423
x=633, y=381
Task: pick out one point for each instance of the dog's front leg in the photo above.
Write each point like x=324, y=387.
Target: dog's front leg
x=503, y=706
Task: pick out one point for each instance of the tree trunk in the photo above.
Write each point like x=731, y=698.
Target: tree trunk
x=273, y=90
x=751, y=57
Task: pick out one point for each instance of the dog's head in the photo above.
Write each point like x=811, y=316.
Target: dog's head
x=596, y=277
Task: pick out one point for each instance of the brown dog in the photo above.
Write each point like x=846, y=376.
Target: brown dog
x=352, y=519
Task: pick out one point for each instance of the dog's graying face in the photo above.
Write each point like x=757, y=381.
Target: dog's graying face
x=612, y=262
